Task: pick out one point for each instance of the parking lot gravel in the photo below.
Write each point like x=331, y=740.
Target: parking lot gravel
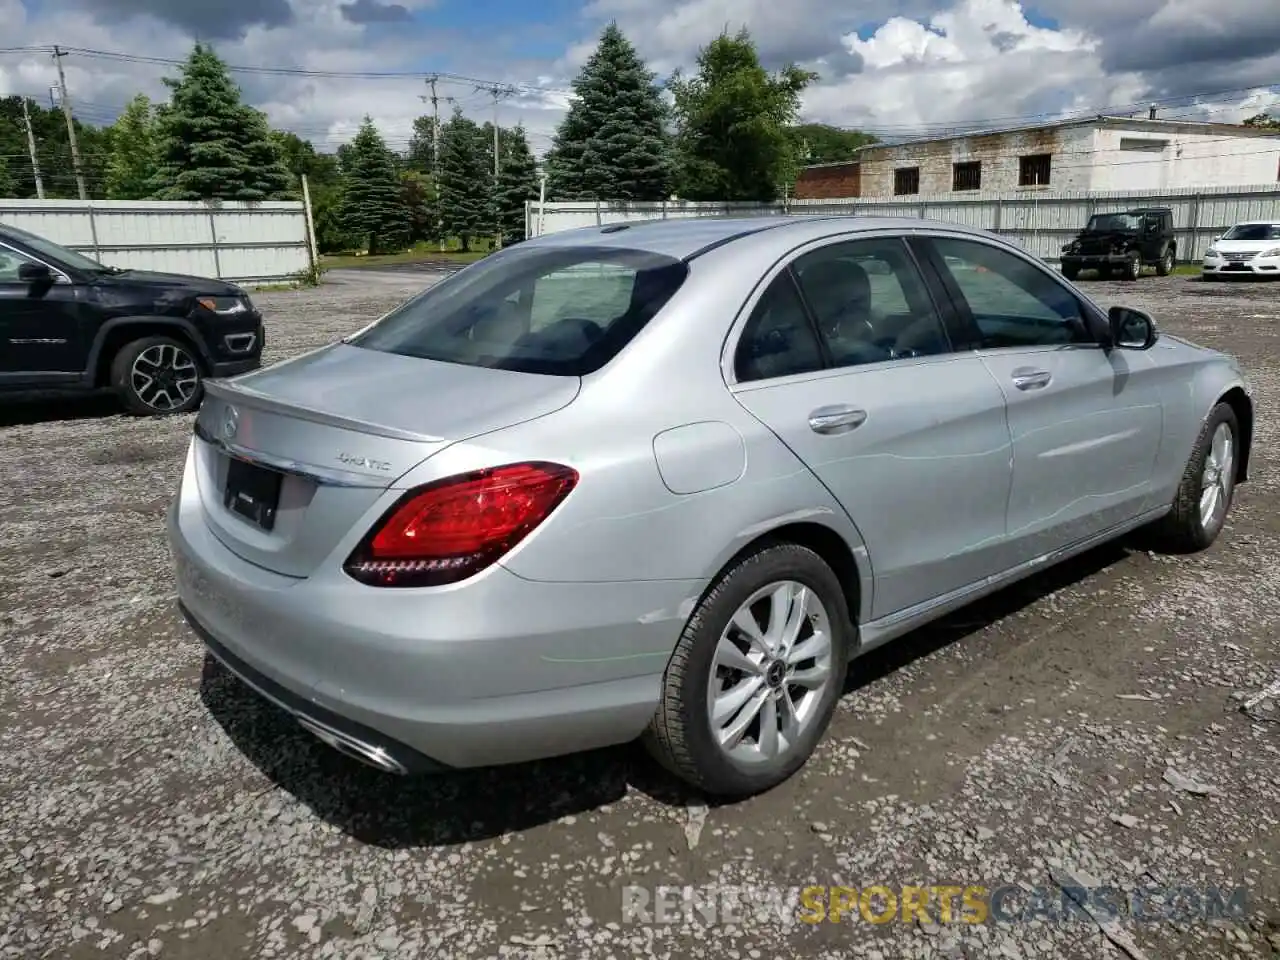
x=1098, y=724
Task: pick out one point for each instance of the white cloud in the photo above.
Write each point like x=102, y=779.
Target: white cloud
x=980, y=59
x=926, y=63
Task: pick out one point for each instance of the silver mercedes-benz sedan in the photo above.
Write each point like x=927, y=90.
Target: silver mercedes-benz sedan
x=667, y=479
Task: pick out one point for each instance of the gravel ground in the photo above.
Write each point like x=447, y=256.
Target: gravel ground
x=151, y=806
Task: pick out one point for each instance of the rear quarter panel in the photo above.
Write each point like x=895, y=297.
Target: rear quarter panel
x=623, y=522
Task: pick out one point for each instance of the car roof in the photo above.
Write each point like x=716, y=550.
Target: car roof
x=688, y=237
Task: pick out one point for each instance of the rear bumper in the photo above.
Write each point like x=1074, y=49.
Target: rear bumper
x=497, y=670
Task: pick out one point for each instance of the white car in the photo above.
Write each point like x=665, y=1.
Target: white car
x=1247, y=249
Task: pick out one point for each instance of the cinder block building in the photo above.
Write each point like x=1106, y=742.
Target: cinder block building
x=1102, y=153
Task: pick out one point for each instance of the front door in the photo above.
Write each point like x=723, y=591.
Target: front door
x=844, y=358
x=39, y=332
x=1086, y=422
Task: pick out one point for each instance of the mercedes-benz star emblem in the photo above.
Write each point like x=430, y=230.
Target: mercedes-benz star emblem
x=230, y=422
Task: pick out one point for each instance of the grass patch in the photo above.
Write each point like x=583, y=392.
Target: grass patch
x=347, y=261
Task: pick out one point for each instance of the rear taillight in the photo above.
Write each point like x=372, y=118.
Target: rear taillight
x=452, y=529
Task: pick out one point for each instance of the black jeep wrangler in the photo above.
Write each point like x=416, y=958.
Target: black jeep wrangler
x=70, y=324
x=1123, y=243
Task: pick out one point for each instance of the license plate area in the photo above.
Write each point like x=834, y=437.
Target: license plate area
x=252, y=492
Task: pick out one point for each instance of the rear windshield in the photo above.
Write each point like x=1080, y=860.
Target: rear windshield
x=563, y=311
x=1253, y=231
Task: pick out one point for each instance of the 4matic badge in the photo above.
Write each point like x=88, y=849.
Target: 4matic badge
x=366, y=462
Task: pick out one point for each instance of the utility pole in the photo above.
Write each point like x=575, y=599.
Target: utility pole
x=71, y=125
x=435, y=151
x=435, y=123
x=31, y=148
x=499, y=92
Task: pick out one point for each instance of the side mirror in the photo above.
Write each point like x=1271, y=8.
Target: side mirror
x=29, y=272
x=1132, y=329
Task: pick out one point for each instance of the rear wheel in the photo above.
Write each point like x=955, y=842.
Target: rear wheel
x=755, y=676
x=155, y=376
x=1208, y=485
x=1165, y=266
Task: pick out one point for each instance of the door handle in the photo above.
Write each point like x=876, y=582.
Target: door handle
x=1028, y=379
x=836, y=419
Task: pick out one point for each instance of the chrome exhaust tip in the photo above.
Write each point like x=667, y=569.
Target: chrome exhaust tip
x=367, y=753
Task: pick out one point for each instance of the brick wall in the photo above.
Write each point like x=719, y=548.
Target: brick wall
x=833, y=181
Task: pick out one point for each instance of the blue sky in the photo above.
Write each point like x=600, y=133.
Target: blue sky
x=891, y=66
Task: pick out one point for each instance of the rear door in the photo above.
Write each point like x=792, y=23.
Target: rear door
x=1086, y=422
x=845, y=358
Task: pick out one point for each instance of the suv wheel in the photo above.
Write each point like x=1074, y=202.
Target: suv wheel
x=1165, y=266
x=754, y=679
x=1070, y=272
x=156, y=376
x=1132, y=268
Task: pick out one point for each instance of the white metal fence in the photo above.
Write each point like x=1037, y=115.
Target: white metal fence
x=1040, y=222
x=232, y=240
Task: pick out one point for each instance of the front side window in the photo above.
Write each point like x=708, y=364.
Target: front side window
x=10, y=262
x=1014, y=303
x=559, y=311
x=52, y=251
x=870, y=302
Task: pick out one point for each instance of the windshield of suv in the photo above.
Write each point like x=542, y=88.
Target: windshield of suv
x=52, y=251
x=561, y=310
x=1253, y=231
x=1119, y=222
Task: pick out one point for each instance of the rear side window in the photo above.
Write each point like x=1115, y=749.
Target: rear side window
x=559, y=311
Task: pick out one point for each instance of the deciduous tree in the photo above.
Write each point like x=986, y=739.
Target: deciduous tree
x=731, y=123
x=131, y=166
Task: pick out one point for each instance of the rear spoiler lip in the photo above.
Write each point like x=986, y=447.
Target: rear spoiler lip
x=235, y=393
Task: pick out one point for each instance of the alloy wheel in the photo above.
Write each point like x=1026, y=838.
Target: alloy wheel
x=164, y=377
x=1216, y=479
x=770, y=670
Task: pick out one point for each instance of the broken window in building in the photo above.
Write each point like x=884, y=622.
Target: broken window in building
x=1033, y=170
x=966, y=176
x=906, y=180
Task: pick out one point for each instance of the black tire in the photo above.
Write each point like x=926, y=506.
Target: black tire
x=1182, y=530
x=1132, y=268
x=680, y=736
x=1165, y=266
x=1071, y=272
x=133, y=392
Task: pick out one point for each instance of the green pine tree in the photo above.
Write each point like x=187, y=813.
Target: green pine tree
x=419, y=198
x=7, y=186
x=517, y=183
x=464, y=180
x=209, y=144
x=131, y=164
x=612, y=144
x=373, y=209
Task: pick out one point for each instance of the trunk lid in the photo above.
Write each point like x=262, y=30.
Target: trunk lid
x=340, y=426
